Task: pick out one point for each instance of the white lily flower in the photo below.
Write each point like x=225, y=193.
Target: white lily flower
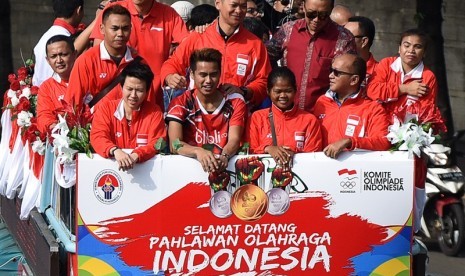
x=61, y=127
x=24, y=119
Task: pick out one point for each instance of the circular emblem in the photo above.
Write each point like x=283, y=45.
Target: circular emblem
x=249, y=203
x=220, y=204
x=108, y=186
x=278, y=201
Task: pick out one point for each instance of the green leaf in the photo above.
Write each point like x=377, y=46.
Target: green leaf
x=177, y=144
x=208, y=147
x=74, y=132
x=244, y=149
x=89, y=154
x=160, y=145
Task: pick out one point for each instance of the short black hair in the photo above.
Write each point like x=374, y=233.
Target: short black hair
x=366, y=26
x=207, y=55
x=201, y=15
x=139, y=70
x=58, y=38
x=360, y=67
x=415, y=32
x=115, y=9
x=255, y=26
x=281, y=72
x=66, y=8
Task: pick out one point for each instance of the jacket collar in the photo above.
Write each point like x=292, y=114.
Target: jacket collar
x=104, y=55
x=416, y=73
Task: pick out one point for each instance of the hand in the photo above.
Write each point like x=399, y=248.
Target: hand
x=207, y=160
x=201, y=29
x=176, y=81
x=415, y=88
x=281, y=155
x=222, y=162
x=333, y=150
x=231, y=88
x=125, y=161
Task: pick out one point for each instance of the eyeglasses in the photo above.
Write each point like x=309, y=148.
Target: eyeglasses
x=322, y=15
x=337, y=73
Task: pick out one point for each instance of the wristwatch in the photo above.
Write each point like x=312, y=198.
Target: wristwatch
x=112, y=151
x=245, y=92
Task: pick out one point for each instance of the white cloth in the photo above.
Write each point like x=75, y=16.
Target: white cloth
x=4, y=143
x=26, y=170
x=42, y=69
x=15, y=177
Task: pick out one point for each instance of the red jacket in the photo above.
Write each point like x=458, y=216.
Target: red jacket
x=152, y=37
x=51, y=92
x=384, y=85
x=245, y=59
x=360, y=119
x=295, y=128
x=110, y=128
x=92, y=72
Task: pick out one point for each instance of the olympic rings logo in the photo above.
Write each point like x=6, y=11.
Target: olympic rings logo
x=348, y=184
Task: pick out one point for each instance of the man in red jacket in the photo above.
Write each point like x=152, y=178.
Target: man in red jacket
x=98, y=67
x=348, y=120
x=245, y=59
x=61, y=55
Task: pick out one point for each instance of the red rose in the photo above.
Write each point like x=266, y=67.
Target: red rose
x=34, y=90
x=11, y=78
x=22, y=73
x=14, y=85
x=23, y=105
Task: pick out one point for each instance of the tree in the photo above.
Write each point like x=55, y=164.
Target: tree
x=429, y=17
x=6, y=60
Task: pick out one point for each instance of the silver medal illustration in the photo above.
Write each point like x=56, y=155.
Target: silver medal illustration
x=278, y=201
x=220, y=204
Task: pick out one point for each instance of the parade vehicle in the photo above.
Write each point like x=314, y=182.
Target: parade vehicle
x=444, y=218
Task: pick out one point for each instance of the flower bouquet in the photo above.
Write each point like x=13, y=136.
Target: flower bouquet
x=415, y=128
x=22, y=101
x=71, y=135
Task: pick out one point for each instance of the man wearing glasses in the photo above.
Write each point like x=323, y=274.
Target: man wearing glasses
x=308, y=46
x=363, y=30
x=349, y=120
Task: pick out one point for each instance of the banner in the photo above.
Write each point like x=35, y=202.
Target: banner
x=350, y=216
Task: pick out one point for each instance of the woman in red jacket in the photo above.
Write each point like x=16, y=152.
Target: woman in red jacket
x=129, y=123
x=295, y=130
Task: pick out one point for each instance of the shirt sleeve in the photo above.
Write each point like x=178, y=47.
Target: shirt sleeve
x=178, y=62
x=239, y=115
x=380, y=87
x=377, y=129
x=78, y=84
x=100, y=137
x=254, y=134
x=177, y=110
x=156, y=130
x=262, y=67
x=45, y=108
x=313, y=139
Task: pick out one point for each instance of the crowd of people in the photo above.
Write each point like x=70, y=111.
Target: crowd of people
x=286, y=77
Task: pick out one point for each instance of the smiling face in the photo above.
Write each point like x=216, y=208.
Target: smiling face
x=206, y=78
x=61, y=58
x=116, y=30
x=134, y=93
x=232, y=12
x=411, y=51
x=282, y=93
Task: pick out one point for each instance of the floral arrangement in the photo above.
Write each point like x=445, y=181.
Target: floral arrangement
x=72, y=133
x=415, y=128
x=22, y=101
